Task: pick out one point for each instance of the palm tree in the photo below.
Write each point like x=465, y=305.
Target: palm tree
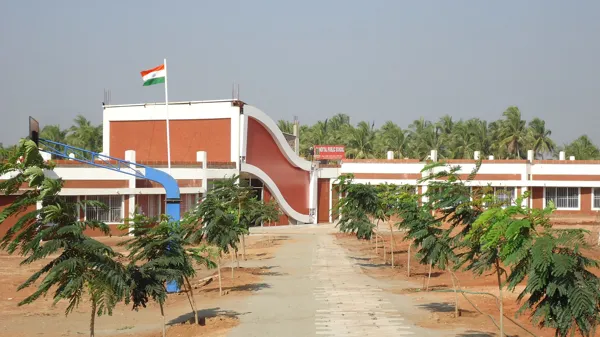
x=513, y=132
x=54, y=133
x=392, y=138
x=463, y=141
x=285, y=126
x=361, y=142
x=583, y=149
x=85, y=135
x=540, y=137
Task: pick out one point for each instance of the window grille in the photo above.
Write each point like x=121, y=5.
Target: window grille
x=563, y=197
x=596, y=197
x=112, y=214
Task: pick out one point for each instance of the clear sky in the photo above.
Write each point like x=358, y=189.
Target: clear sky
x=374, y=60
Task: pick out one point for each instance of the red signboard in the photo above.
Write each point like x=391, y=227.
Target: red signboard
x=330, y=152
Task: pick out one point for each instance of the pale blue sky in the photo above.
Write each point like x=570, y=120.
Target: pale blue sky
x=374, y=60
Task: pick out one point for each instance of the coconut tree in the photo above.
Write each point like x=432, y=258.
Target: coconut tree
x=285, y=126
x=540, y=137
x=80, y=266
x=463, y=141
x=54, y=133
x=582, y=148
x=361, y=141
x=513, y=132
x=393, y=138
x=85, y=135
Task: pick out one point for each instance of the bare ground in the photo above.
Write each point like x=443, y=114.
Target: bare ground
x=475, y=310
x=42, y=318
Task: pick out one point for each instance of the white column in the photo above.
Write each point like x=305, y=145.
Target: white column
x=390, y=155
x=530, y=155
x=130, y=157
x=434, y=155
x=202, y=157
x=313, y=194
x=46, y=156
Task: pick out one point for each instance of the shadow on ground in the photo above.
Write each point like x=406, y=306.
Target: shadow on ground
x=471, y=333
x=442, y=307
x=245, y=287
x=203, y=314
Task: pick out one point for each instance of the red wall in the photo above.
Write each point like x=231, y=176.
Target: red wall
x=5, y=201
x=149, y=139
x=263, y=152
x=323, y=200
x=283, y=219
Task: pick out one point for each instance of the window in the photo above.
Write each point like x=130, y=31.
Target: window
x=188, y=202
x=112, y=214
x=596, y=198
x=563, y=197
x=72, y=199
x=505, y=195
x=149, y=205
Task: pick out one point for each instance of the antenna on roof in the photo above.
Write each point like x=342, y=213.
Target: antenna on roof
x=107, y=97
x=238, y=92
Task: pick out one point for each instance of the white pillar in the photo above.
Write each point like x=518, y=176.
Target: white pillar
x=491, y=157
x=476, y=155
x=561, y=155
x=130, y=157
x=530, y=155
x=46, y=156
x=390, y=155
x=313, y=195
x=434, y=155
x=71, y=155
x=202, y=157
x=571, y=157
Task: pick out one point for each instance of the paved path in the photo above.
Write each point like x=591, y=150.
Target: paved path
x=351, y=304
x=317, y=290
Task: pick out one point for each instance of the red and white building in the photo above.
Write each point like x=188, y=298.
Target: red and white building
x=215, y=139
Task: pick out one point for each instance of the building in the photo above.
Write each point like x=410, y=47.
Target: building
x=215, y=139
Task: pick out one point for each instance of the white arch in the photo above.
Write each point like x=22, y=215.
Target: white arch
x=273, y=129
x=285, y=206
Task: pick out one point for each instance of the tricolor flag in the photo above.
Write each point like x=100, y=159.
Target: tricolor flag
x=154, y=76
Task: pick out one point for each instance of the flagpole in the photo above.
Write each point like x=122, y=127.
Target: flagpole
x=167, y=119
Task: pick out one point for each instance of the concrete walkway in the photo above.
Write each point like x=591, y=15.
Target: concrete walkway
x=315, y=289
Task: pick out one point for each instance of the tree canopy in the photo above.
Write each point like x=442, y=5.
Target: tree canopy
x=506, y=138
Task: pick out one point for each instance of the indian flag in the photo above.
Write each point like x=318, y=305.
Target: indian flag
x=154, y=76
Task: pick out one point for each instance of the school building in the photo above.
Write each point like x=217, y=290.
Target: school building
x=215, y=139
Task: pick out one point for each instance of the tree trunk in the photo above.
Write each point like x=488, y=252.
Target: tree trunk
x=219, y=270
x=193, y=301
x=164, y=326
x=237, y=260
x=93, y=318
x=456, y=311
x=244, y=247
x=384, y=254
x=501, y=305
x=392, y=243
x=408, y=260
x=429, y=276
x=376, y=238
x=232, y=260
